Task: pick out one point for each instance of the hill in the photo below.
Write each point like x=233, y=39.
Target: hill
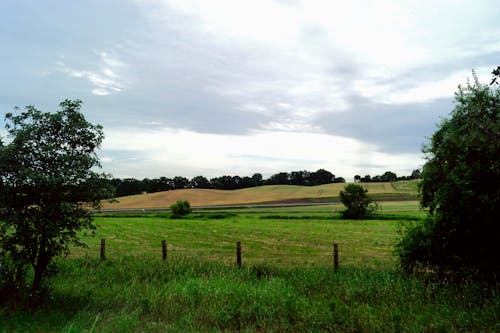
x=402, y=190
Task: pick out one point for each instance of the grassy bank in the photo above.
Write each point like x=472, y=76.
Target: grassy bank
x=141, y=294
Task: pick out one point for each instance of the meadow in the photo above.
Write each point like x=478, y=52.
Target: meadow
x=287, y=282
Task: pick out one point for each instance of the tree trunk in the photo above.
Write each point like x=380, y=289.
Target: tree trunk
x=40, y=267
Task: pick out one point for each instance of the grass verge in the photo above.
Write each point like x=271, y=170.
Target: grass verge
x=141, y=294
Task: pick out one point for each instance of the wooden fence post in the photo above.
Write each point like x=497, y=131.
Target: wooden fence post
x=335, y=256
x=238, y=254
x=164, y=249
x=103, y=249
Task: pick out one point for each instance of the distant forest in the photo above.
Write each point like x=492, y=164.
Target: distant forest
x=131, y=186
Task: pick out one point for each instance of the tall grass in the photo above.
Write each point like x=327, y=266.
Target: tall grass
x=141, y=294
x=286, y=283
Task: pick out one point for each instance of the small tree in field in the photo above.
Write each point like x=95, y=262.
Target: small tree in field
x=355, y=199
x=46, y=187
x=180, y=208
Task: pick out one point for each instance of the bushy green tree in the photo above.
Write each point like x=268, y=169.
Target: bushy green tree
x=460, y=187
x=180, y=208
x=357, y=202
x=47, y=184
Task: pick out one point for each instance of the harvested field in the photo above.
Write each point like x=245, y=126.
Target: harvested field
x=260, y=194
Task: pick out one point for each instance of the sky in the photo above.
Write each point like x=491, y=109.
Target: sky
x=212, y=88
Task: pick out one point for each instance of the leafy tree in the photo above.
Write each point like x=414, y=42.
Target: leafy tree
x=257, y=179
x=357, y=178
x=151, y=185
x=165, y=184
x=180, y=208
x=459, y=185
x=339, y=180
x=281, y=178
x=388, y=176
x=199, y=182
x=180, y=182
x=320, y=177
x=47, y=184
x=355, y=199
x=237, y=182
x=246, y=182
x=415, y=174
x=366, y=179
x=223, y=183
x=128, y=186
x=300, y=177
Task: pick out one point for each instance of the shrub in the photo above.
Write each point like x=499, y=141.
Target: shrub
x=358, y=204
x=180, y=208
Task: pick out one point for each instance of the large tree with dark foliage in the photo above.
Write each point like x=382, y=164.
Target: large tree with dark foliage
x=281, y=178
x=129, y=186
x=199, y=182
x=320, y=177
x=47, y=184
x=460, y=187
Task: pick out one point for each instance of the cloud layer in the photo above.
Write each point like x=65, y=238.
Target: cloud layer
x=236, y=87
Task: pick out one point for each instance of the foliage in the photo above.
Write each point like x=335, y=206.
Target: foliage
x=199, y=182
x=46, y=186
x=355, y=199
x=388, y=176
x=181, y=208
x=460, y=188
x=496, y=76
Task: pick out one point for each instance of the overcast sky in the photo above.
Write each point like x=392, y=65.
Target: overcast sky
x=232, y=87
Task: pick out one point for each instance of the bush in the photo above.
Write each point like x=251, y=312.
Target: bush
x=358, y=204
x=460, y=188
x=180, y=208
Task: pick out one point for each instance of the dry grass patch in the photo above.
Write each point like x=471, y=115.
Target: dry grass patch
x=260, y=194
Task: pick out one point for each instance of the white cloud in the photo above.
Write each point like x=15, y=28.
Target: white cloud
x=395, y=93
x=259, y=20
x=170, y=152
x=104, y=81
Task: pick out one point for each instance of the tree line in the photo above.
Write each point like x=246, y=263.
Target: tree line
x=388, y=176
x=131, y=186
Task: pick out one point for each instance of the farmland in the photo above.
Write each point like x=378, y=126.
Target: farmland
x=286, y=283
x=293, y=236
x=262, y=194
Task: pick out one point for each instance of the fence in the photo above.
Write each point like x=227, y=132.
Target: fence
x=238, y=252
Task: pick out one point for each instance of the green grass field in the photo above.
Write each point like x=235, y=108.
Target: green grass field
x=289, y=235
x=287, y=282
